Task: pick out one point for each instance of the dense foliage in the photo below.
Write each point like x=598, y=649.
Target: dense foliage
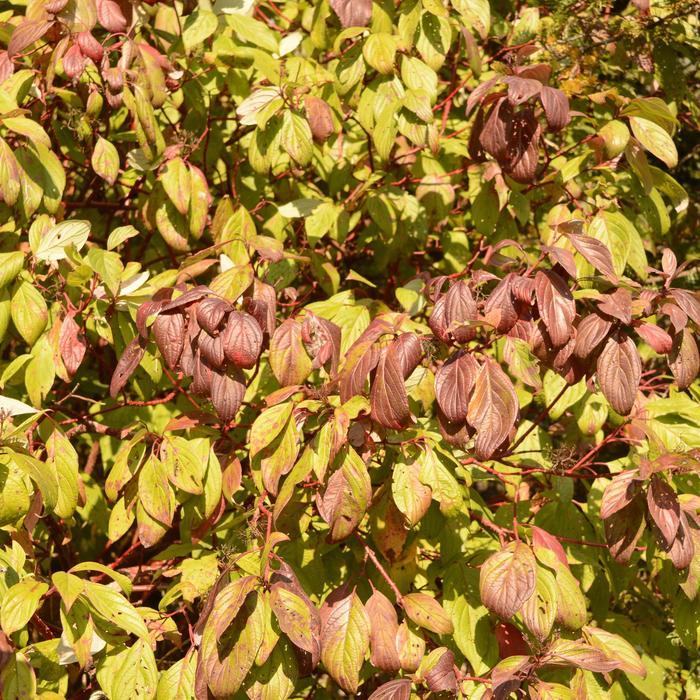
x=349, y=348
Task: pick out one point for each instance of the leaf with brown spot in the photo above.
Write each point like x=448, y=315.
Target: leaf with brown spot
x=556, y=306
x=619, y=371
x=438, y=669
x=492, y=408
x=297, y=617
x=426, y=612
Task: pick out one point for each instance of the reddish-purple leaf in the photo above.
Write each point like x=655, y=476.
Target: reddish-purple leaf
x=664, y=507
x=619, y=493
x=227, y=391
x=110, y=16
x=71, y=344
x=618, y=304
x=669, y=263
x=492, y=408
x=388, y=397
x=454, y=382
x=688, y=301
x=497, y=130
x=319, y=116
x=352, y=13
x=619, y=371
x=656, y=337
x=408, y=350
x=74, y=62
x=460, y=309
x=563, y=257
x=556, y=107
x=169, y=333
x=242, y=340
x=384, y=625
x=211, y=312
x=684, y=359
x=556, y=306
x=201, y=375
x=565, y=652
x=90, y=46
x=360, y=360
x=682, y=549
x=624, y=528
x=476, y=96
x=523, y=147
x=591, y=331
x=595, y=252
x=128, y=362
x=499, y=309
x=507, y=579
x=522, y=89
x=439, y=673
x=399, y=689
x=25, y=34
x=211, y=350
x=322, y=340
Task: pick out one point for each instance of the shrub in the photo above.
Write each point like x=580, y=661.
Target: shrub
x=348, y=348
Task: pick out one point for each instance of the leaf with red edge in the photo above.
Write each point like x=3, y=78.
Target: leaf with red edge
x=399, y=689
x=664, y=507
x=74, y=62
x=541, y=538
x=352, y=13
x=657, y=338
x=128, y=362
x=71, y=344
x=492, y=408
x=595, y=252
x=684, y=360
x=507, y=579
x=25, y=34
x=454, y=382
x=345, y=637
x=438, y=669
x=620, y=492
x=361, y=358
x=619, y=371
x=289, y=360
x=556, y=306
x=556, y=107
x=347, y=496
x=322, y=340
x=409, y=352
x=110, y=16
x=566, y=652
x=384, y=626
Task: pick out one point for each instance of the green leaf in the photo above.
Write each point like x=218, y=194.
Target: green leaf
x=108, y=266
x=105, y=160
x=41, y=474
x=297, y=139
x=112, y=606
x=345, y=640
x=379, y=51
x=29, y=312
x=20, y=603
x=199, y=26
x=655, y=140
x=10, y=266
x=137, y=674
x=55, y=242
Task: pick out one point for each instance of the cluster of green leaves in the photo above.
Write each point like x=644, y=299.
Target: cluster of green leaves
x=348, y=347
